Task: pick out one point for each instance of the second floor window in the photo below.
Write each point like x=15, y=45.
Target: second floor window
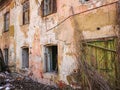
x=48, y=7
x=26, y=12
x=6, y=21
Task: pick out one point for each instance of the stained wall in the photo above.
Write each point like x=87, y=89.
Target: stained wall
x=92, y=18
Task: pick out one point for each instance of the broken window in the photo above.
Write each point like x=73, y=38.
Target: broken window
x=6, y=21
x=51, y=62
x=48, y=7
x=6, y=56
x=26, y=12
x=25, y=58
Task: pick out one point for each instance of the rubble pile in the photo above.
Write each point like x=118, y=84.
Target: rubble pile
x=14, y=81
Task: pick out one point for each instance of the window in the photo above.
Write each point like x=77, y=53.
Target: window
x=6, y=56
x=6, y=21
x=48, y=7
x=51, y=62
x=26, y=12
x=25, y=57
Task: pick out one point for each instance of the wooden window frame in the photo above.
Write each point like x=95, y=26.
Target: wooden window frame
x=26, y=9
x=52, y=4
x=51, y=65
x=6, y=20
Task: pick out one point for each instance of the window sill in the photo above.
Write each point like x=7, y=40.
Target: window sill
x=5, y=31
x=24, y=69
x=24, y=25
x=52, y=72
x=49, y=75
x=49, y=15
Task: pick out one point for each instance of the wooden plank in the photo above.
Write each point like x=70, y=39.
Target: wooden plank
x=100, y=47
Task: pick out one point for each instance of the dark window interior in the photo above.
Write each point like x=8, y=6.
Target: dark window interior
x=54, y=58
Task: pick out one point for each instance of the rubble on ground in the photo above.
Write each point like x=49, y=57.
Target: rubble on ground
x=15, y=81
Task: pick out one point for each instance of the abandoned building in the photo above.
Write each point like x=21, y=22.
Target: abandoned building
x=39, y=35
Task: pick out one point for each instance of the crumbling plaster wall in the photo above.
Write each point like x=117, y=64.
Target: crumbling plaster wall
x=21, y=33
x=33, y=36
x=94, y=24
x=98, y=23
x=7, y=38
x=38, y=33
x=88, y=21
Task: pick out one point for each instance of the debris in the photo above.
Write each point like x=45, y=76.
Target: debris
x=15, y=81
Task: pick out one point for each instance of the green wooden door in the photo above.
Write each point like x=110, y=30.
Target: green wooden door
x=101, y=55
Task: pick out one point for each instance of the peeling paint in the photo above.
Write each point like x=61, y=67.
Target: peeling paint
x=38, y=33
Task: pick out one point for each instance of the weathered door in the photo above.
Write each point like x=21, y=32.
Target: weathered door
x=102, y=56
x=25, y=58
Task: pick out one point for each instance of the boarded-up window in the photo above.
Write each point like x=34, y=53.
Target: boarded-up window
x=6, y=21
x=26, y=12
x=25, y=57
x=6, y=56
x=48, y=7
